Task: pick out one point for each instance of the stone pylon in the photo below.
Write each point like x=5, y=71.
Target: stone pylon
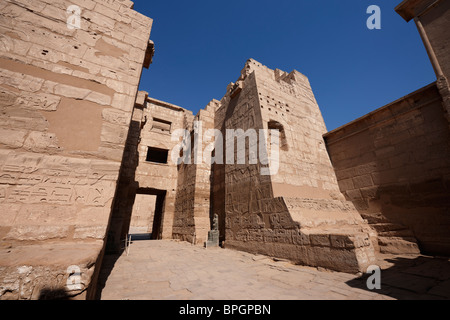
x=297, y=211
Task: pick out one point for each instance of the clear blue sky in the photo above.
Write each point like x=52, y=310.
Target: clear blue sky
x=202, y=45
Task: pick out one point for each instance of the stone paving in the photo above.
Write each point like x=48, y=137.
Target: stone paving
x=170, y=270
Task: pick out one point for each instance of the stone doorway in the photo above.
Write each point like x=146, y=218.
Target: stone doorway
x=147, y=214
x=142, y=215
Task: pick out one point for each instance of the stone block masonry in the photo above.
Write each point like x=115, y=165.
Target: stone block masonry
x=66, y=99
x=298, y=212
x=393, y=165
x=81, y=150
x=152, y=123
x=193, y=218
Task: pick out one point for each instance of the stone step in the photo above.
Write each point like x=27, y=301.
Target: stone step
x=374, y=217
x=392, y=230
x=398, y=245
x=387, y=227
x=406, y=233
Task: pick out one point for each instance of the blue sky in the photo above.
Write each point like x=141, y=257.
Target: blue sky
x=202, y=45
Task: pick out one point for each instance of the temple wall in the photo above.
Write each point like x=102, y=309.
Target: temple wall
x=144, y=172
x=66, y=98
x=297, y=211
x=393, y=165
x=193, y=200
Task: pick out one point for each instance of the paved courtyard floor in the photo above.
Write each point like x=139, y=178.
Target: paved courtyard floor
x=171, y=270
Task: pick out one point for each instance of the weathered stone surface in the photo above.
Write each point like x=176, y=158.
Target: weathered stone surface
x=397, y=180
x=41, y=271
x=66, y=102
x=71, y=121
x=397, y=156
x=37, y=233
x=294, y=212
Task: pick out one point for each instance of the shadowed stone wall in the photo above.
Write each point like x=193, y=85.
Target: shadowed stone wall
x=393, y=165
x=66, y=98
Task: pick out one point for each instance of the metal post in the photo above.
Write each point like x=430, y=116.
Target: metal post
x=129, y=243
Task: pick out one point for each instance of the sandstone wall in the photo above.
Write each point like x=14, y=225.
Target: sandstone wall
x=161, y=176
x=244, y=186
x=66, y=101
x=218, y=176
x=432, y=19
x=304, y=167
x=184, y=222
x=298, y=212
x=193, y=201
x=153, y=123
x=393, y=164
x=435, y=22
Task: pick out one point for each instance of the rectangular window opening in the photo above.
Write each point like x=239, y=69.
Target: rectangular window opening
x=157, y=155
x=162, y=125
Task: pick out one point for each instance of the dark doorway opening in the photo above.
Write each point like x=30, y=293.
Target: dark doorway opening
x=157, y=155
